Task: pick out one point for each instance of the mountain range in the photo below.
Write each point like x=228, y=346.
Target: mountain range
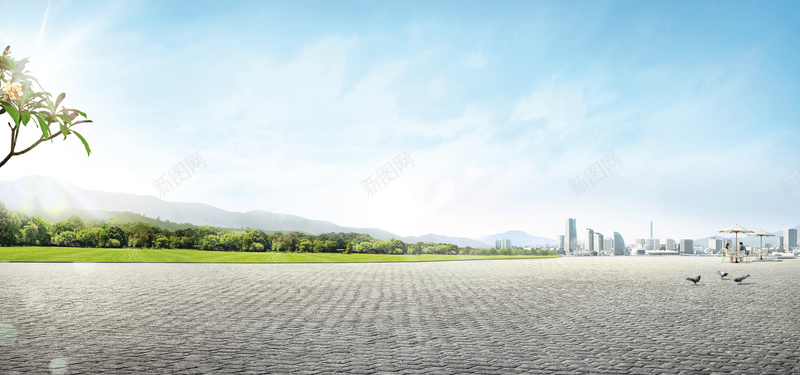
x=56, y=200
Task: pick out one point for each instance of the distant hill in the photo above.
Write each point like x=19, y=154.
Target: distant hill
x=518, y=238
x=56, y=215
x=37, y=195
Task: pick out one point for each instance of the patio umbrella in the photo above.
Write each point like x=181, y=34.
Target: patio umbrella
x=735, y=229
x=761, y=233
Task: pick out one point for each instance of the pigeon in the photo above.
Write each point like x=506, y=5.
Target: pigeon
x=695, y=281
x=722, y=274
x=741, y=278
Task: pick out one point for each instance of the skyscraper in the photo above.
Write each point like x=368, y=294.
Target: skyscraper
x=789, y=239
x=687, y=246
x=589, y=240
x=570, y=237
x=717, y=244
x=652, y=244
x=561, y=242
x=619, y=244
x=598, y=242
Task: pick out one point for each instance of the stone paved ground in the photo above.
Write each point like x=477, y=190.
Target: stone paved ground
x=612, y=315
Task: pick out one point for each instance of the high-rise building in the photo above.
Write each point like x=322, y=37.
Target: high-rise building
x=670, y=244
x=687, y=246
x=570, y=237
x=780, y=243
x=716, y=245
x=640, y=243
x=652, y=244
x=598, y=242
x=561, y=242
x=502, y=244
x=619, y=244
x=589, y=240
x=790, y=239
x=608, y=244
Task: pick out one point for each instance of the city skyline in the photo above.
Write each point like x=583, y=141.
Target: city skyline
x=715, y=240
x=460, y=119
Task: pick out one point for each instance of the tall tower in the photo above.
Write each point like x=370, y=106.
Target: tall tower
x=570, y=237
x=651, y=228
x=589, y=240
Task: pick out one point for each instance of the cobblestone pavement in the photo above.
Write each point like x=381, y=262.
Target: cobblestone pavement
x=611, y=315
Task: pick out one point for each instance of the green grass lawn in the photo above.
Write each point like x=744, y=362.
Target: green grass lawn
x=74, y=254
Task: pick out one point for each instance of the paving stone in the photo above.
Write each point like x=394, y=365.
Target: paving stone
x=611, y=315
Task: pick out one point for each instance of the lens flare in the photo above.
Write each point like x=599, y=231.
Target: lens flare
x=59, y=366
x=8, y=335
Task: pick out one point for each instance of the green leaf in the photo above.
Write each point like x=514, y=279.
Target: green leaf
x=43, y=125
x=60, y=98
x=38, y=95
x=20, y=65
x=7, y=63
x=64, y=130
x=12, y=111
x=47, y=116
x=79, y=112
x=32, y=78
x=85, y=144
x=65, y=118
x=26, y=116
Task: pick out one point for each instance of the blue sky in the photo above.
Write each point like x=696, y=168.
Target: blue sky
x=502, y=107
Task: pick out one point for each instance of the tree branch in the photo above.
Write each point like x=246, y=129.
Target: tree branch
x=41, y=139
x=11, y=150
x=13, y=144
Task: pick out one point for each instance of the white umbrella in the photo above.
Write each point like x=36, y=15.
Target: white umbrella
x=735, y=229
x=761, y=234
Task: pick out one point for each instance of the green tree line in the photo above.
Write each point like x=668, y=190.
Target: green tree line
x=17, y=229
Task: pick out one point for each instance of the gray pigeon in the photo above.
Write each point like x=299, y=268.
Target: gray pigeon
x=722, y=274
x=695, y=281
x=741, y=278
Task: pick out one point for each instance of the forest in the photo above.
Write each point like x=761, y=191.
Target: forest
x=18, y=229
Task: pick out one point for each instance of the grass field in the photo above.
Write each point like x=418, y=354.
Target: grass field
x=73, y=254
